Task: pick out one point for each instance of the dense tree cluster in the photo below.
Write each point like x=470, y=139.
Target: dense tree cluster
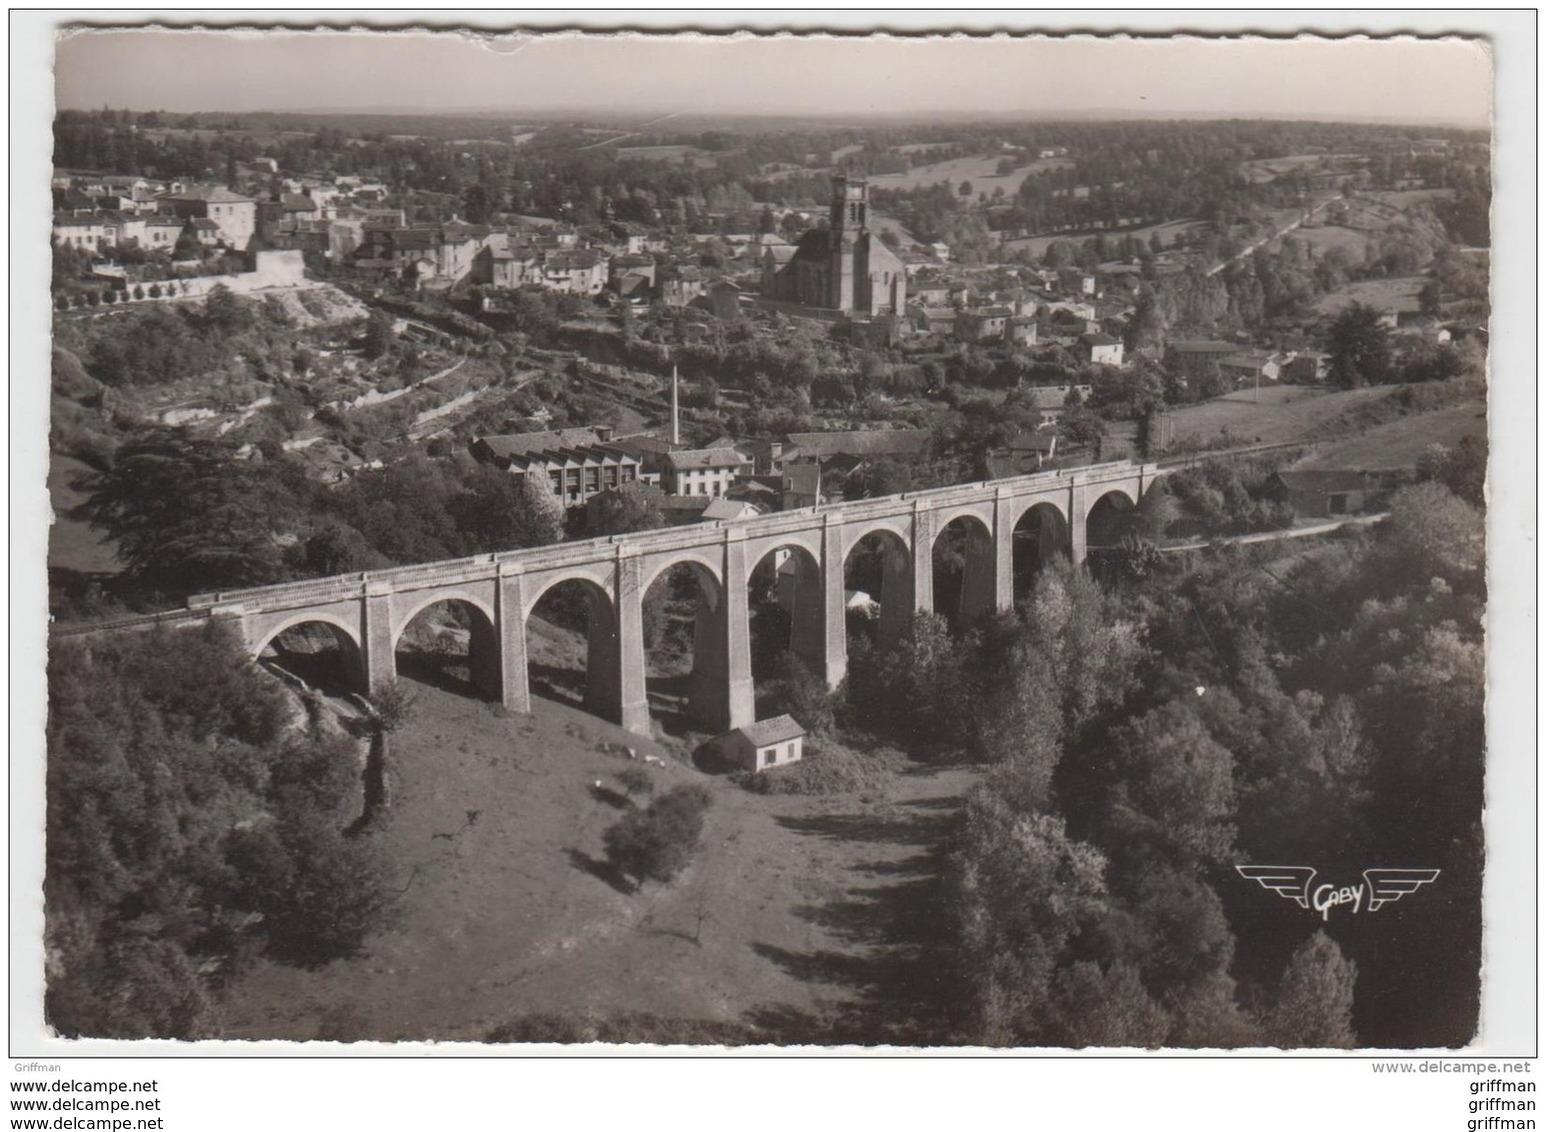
x=189, y=515
x=1323, y=708
x=191, y=829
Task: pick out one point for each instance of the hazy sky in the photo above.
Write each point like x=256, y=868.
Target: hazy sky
x=1441, y=81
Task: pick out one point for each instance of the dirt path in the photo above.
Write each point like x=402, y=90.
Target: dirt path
x=800, y=920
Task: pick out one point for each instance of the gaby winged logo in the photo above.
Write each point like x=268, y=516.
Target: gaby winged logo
x=1297, y=883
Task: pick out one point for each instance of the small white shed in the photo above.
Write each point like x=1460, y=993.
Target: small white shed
x=765, y=744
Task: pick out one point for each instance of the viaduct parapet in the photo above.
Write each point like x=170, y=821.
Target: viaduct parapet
x=369, y=612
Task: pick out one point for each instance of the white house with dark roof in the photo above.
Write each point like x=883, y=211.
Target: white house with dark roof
x=765, y=744
x=1101, y=349
x=702, y=471
x=84, y=230
x=235, y=216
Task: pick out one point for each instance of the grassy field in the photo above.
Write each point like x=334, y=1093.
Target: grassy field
x=1325, y=237
x=1281, y=415
x=1399, y=443
x=800, y=919
x=1268, y=169
x=980, y=171
x=1378, y=293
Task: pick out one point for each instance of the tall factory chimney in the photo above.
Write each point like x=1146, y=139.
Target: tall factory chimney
x=676, y=423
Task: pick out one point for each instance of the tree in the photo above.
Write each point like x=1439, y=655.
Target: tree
x=657, y=842
x=378, y=335
x=224, y=314
x=1463, y=469
x=1359, y=346
x=1111, y=1007
x=1429, y=299
x=1025, y=892
x=187, y=245
x=1435, y=535
x=1174, y=788
x=189, y=830
x=187, y=514
x=336, y=548
x=1314, y=1007
x=1083, y=426
x=497, y=511
x=630, y=507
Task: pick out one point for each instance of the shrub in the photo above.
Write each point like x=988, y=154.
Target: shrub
x=635, y=780
x=393, y=703
x=826, y=768
x=155, y=290
x=656, y=843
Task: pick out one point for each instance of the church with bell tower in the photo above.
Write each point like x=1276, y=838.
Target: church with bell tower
x=844, y=266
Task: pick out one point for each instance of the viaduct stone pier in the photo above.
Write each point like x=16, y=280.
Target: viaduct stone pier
x=368, y=613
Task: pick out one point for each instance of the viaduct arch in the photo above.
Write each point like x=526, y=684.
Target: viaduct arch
x=371, y=610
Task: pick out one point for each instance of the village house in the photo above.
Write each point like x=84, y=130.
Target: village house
x=681, y=510
x=622, y=266
x=1074, y=281
x=1027, y=452
x=206, y=231
x=1101, y=349
x=77, y=230
x=505, y=264
x=863, y=445
x=1022, y=331
x=124, y=228
x=1052, y=401
x=799, y=486
x=1307, y=367
x=161, y=232
x=931, y=294
x=1196, y=359
x=985, y=324
x=1249, y=367
x=765, y=744
x=579, y=271
x=1324, y=494
x=702, y=471
x=932, y=320
x=679, y=285
x=235, y=216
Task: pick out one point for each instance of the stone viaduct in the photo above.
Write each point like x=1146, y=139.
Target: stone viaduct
x=368, y=613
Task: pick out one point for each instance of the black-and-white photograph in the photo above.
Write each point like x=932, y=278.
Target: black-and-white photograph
x=893, y=541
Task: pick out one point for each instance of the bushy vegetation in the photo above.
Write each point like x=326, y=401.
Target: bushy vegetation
x=1218, y=497
x=658, y=841
x=190, y=830
x=164, y=344
x=825, y=767
x=1327, y=710
x=189, y=515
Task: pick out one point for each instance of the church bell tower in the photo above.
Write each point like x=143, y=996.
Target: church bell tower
x=849, y=221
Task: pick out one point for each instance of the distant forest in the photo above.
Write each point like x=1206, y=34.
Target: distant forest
x=1148, y=171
